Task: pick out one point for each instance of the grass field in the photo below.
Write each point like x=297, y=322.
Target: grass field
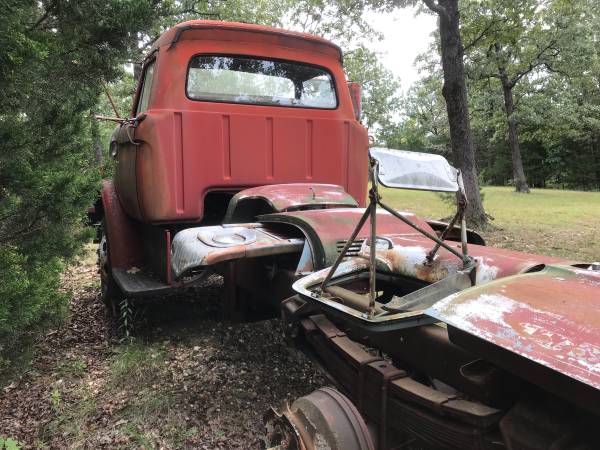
x=553, y=222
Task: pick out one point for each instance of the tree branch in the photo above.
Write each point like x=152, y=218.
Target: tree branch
x=24, y=231
x=535, y=63
x=44, y=16
x=551, y=69
x=436, y=7
x=480, y=36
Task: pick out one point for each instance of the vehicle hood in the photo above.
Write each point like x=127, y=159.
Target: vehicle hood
x=550, y=317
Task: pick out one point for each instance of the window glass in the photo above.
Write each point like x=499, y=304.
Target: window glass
x=147, y=84
x=260, y=81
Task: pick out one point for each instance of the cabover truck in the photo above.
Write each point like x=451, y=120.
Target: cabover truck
x=245, y=157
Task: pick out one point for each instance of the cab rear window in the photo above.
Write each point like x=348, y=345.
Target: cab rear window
x=240, y=79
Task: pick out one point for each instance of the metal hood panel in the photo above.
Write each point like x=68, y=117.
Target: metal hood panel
x=550, y=317
x=285, y=197
x=199, y=247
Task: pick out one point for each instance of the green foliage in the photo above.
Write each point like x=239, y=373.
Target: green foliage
x=28, y=290
x=552, y=55
x=424, y=123
x=8, y=444
x=380, y=99
x=54, y=57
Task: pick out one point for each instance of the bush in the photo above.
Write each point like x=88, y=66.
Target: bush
x=30, y=301
x=54, y=58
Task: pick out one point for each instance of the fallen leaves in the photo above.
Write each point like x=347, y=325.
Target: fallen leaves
x=189, y=381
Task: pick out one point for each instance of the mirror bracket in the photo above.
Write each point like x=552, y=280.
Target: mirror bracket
x=371, y=213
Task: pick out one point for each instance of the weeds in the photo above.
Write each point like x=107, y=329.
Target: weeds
x=151, y=411
x=70, y=417
x=8, y=444
x=127, y=317
x=136, y=364
x=152, y=417
x=56, y=399
x=74, y=367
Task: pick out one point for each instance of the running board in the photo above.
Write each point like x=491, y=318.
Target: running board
x=135, y=283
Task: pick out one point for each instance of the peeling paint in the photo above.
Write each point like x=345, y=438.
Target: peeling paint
x=551, y=317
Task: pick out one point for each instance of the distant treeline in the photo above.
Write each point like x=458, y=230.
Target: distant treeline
x=533, y=71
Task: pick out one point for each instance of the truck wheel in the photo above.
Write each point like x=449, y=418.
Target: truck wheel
x=110, y=293
x=119, y=307
x=323, y=419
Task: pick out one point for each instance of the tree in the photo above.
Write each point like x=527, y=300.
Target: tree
x=455, y=95
x=54, y=56
x=510, y=42
x=380, y=98
x=424, y=120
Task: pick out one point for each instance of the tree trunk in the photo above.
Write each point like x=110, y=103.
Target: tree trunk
x=513, y=138
x=455, y=95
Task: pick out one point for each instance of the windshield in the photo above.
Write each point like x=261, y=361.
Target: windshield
x=240, y=79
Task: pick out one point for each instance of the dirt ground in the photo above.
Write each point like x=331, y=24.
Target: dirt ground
x=188, y=380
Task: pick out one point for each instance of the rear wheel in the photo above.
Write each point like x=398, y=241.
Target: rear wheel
x=110, y=294
x=323, y=419
x=118, y=306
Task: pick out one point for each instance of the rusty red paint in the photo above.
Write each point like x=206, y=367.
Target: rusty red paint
x=551, y=317
x=189, y=148
x=283, y=197
x=334, y=224
x=199, y=29
x=125, y=246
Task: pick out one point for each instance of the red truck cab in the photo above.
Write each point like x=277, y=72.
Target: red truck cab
x=226, y=106
x=229, y=121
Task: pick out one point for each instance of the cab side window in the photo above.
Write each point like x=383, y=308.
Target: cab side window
x=146, y=86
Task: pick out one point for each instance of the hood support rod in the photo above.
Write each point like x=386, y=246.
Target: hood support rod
x=371, y=213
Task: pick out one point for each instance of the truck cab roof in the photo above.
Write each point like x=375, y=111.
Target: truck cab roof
x=245, y=32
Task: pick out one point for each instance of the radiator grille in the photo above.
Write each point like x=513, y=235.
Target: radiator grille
x=354, y=248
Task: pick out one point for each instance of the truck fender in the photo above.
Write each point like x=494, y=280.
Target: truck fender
x=275, y=198
x=473, y=237
x=326, y=231
x=123, y=234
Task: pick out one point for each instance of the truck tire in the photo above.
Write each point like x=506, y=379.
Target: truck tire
x=120, y=308
x=110, y=293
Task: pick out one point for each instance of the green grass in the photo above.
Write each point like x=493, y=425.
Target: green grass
x=151, y=417
x=136, y=364
x=72, y=408
x=554, y=222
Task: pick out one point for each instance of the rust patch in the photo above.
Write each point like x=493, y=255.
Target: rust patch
x=551, y=317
